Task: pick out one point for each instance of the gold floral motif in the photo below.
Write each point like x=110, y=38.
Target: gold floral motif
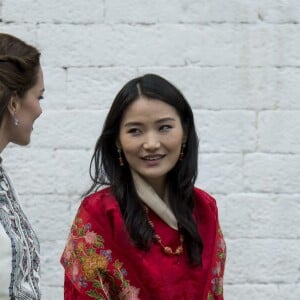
x=210, y=296
x=87, y=261
x=92, y=263
x=81, y=246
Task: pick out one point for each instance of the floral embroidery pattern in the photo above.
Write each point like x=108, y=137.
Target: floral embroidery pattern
x=24, y=278
x=92, y=267
x=218, y=269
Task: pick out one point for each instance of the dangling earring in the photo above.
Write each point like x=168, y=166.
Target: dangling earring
x=121, y=162
x=15, y=120
x=182, y=152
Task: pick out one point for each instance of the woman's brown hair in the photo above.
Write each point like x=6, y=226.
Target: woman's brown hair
x=19, y=64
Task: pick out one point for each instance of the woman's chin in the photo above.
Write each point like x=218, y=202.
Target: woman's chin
x=23, y=142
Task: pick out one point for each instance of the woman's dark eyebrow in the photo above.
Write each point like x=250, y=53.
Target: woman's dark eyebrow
x=167, y=119
x=128, y=124
x=162, y=120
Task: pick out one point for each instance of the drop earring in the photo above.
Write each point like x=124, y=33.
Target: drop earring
x=15, y=120
x=121, y=162
x=182, y=152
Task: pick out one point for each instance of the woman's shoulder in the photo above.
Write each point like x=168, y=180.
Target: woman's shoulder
x=100, y=201
x=100, y=211
x=204, y=200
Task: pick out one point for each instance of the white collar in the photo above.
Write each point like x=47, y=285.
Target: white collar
x=151, y=199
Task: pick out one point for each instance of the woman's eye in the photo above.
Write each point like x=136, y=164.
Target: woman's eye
x=165, y=127
x=134, y=131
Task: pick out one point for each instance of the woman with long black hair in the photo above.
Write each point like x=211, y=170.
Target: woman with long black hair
x=144, y=231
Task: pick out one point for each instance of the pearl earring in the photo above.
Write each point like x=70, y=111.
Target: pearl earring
x=15, y=120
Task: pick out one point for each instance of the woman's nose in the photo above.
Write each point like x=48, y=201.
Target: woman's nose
x=151, y=142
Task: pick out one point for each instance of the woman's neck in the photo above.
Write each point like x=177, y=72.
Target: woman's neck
x=159, y=186
x=3, y=139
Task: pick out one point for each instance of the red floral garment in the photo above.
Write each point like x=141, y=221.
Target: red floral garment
x=101, y=262
x=216, y=282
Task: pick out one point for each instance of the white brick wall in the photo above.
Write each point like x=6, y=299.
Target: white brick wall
x=238, y=64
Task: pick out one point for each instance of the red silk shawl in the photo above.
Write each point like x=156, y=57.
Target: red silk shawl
x=101, y=262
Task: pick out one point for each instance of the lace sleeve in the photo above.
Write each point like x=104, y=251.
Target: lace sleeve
x=5, y=263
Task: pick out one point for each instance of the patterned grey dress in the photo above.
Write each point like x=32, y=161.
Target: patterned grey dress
x=25, y=277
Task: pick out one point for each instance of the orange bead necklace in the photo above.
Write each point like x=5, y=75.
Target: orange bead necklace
x=166, y=249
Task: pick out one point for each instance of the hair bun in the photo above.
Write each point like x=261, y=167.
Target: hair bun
x=20, y=63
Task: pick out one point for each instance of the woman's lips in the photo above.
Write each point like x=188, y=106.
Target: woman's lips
x=153, y=157
x=152, y=160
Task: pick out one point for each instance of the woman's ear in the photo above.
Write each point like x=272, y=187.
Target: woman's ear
x=118, y=144
x=13, y=104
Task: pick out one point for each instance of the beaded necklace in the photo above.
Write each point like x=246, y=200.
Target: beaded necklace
x=166, y=249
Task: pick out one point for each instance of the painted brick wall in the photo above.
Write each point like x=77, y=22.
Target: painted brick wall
x=237, y=62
